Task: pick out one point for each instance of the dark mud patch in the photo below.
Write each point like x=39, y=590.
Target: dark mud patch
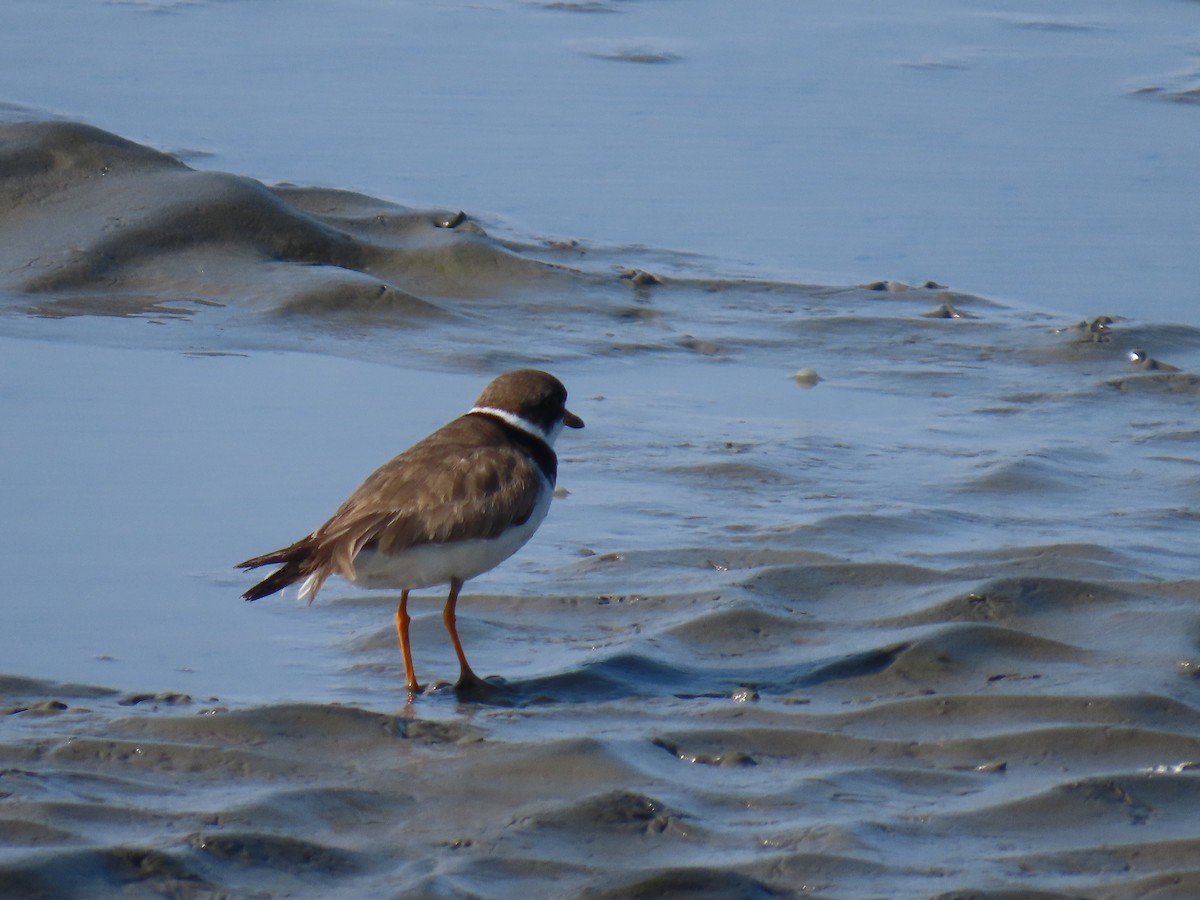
x=95, y=224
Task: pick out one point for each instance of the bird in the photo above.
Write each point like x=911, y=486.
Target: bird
x=452, y=506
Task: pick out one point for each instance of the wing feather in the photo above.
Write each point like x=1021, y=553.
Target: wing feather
x=436, y=491
x=466, y=480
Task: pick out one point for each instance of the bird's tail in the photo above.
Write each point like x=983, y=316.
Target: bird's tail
x=297, y=562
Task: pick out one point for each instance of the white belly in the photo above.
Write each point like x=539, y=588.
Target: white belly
x=433, y=564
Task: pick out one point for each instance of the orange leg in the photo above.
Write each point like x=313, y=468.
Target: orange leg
x=402, y=620
x=466, y=678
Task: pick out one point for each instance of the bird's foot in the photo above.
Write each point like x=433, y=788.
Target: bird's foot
x=471, y=686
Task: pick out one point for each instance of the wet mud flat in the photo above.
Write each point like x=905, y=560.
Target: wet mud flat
x=866, y=590
x=995, y=725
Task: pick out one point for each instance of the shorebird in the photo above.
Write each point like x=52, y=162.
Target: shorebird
x=450, y=507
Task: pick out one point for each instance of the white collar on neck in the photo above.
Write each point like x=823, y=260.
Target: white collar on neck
x=516, y=422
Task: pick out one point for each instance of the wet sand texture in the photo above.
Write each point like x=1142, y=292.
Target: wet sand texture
x=91, y=222
x=819, y=727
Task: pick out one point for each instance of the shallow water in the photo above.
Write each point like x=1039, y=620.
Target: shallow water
x=926, y=625
x=1039, y=153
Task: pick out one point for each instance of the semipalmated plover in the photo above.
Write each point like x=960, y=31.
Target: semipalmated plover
x=450, y=507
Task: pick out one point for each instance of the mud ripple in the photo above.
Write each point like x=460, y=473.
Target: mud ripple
x=806, y=725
